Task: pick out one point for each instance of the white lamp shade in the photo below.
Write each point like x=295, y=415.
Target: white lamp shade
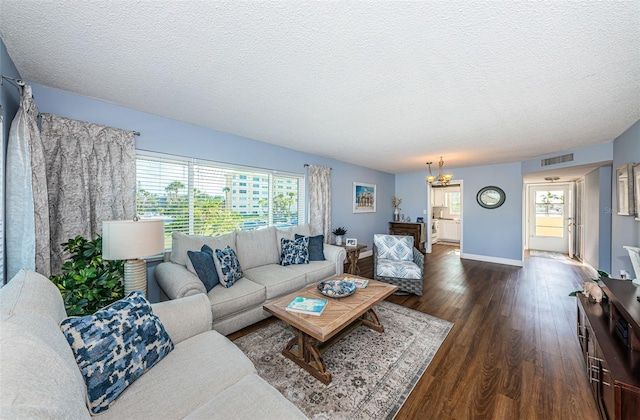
x=129, y=239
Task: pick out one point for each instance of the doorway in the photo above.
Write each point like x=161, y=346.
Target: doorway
x=550, y=217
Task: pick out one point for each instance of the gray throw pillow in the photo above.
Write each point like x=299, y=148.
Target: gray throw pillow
x=205, y=267
x=316, y=247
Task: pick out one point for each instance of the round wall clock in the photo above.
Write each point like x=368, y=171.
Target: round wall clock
x=490, y=197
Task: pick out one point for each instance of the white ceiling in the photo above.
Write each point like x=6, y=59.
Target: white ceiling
x=383, y=84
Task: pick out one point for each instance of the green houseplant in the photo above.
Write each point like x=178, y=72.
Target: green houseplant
x=88, y=283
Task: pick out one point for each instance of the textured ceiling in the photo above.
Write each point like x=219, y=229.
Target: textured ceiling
x=383, y=84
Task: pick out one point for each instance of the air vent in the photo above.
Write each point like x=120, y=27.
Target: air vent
x=558, y=159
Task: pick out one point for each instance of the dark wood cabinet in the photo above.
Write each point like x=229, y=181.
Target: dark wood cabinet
x=417, y=230
x=608, y=335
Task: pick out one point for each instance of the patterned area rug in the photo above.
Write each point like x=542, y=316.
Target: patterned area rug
x=372, y=373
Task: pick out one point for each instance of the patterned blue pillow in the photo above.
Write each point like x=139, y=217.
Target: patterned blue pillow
x=228, y=266
x=294, y=252
x=115, y=346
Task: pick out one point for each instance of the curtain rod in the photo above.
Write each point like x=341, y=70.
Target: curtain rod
x=18, y=82
x=306, y=165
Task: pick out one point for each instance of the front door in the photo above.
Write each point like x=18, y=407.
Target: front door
x=549, y=217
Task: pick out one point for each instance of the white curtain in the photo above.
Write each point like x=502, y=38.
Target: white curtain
x=24, y=136
x=320, y=201
x=2, y=201
x=90, y=177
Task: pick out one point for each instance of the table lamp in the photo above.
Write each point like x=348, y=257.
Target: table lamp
x=130, y=240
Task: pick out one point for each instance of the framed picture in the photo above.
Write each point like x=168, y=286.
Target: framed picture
x=636, y=189
x=351, y=242
x=364, y=197
x=624, y=182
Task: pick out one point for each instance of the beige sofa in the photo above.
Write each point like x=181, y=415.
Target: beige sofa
x=205, y=376
x=258, y=252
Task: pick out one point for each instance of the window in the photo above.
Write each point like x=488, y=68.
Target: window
x=194, y=196
x=549, y=217
x=452, y=200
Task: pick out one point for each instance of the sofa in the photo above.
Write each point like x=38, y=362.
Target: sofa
x=258, y=252
x=205, y=376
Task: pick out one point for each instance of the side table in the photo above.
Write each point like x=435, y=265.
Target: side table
x=353, y=254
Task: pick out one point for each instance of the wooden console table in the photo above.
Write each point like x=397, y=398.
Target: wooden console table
x=353, y=254
x=609, y=335
x=417, y=230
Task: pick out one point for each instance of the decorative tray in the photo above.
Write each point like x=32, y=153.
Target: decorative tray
x=336, y=288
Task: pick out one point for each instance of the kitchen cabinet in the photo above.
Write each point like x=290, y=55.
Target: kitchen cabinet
x=449, y=230
x=438, y=197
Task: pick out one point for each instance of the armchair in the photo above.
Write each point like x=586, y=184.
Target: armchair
x=396, y=261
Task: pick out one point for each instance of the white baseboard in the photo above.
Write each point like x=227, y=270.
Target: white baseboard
x=497, y=260
x=366, y=254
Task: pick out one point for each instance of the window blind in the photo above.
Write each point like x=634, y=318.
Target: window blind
x=209, y=198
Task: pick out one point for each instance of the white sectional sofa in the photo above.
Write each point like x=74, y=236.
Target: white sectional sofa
x=205, y=376
x=258, y=252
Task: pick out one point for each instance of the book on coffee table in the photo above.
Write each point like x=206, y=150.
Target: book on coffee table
x=360, y=283
x=309, y=306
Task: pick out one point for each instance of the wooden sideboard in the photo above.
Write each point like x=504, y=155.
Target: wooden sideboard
x=609, y=335
x=417, y=230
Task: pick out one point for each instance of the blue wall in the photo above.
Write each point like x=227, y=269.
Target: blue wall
x=164, y=135
x=488, y=235
x=598, y=153
x=9, y=93
x=624, y=229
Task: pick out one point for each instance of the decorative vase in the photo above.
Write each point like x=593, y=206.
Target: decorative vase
x=338, y=239
x=396, y=215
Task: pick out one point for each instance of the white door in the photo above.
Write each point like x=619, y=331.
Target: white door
x=571, y=220
x=578, y=221
x=549, y=217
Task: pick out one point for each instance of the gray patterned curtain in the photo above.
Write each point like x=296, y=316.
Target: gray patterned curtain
x=320, y=201
x=90, y=177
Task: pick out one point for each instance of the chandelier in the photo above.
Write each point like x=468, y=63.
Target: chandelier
x=442, y=179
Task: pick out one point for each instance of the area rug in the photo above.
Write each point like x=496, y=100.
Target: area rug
x=372, y=373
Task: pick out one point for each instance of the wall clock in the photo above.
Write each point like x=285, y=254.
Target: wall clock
x=490, y=197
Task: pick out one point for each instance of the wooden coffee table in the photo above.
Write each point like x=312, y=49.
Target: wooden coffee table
x=314, y=334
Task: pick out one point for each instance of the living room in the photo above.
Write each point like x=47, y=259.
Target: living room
x=490, y=236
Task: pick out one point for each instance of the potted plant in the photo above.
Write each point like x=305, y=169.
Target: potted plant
x=88, y=283
x=339, y=233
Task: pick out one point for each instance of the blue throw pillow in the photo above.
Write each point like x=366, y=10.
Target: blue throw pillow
x=294, y=252
x=228, y=266
x=316, y=247
x=205, y=267
x=115, y=346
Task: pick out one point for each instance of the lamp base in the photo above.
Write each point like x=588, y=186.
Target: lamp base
x=135, y=276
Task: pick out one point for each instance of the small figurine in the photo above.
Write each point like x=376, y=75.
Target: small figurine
x=591, y=289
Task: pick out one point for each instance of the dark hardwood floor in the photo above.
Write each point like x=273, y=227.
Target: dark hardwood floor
x=513, y=351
